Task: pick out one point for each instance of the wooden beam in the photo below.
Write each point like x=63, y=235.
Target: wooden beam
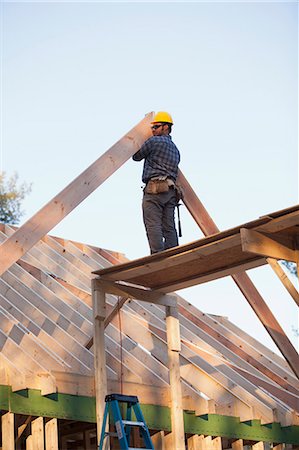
x=258, y=446
x=21, y=428
x=206, y=224
x=174, y=347
x=145, y=295
x=109, y=318
x=51, y=431
x=37, y=430
x=29, y=443
x=217, y=443
x=196, y=208
x=285, y=220
x=210, y=275
x=158, y=440
x=269, y=321
x=237, y=444
x=231, y=346
x=99, y=311
x=284, y=279
x=196, y=442
x=208, y=443
x=194, y=370
x=269, y=246
x=8, y=438
x=63, y=203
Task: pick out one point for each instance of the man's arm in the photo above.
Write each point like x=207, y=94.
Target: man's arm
x=143, y=152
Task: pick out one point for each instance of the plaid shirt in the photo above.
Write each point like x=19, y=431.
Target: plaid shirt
x=161, y=158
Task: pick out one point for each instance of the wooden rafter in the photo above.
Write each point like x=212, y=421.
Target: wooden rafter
x=62, y=204
x=284, y=279
x=216, y=256
x=143, y=339
x=242, y=280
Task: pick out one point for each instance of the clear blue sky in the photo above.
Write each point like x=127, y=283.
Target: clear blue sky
x=76, y=76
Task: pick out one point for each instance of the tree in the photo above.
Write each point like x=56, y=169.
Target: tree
x=292, y=267
x=11, y=197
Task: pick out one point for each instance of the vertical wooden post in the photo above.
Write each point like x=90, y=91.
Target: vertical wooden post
x=158, y=440
x=196, y=442
x=8, y=437
x=29, y=443
x=208, y=443
x=174, y=347
x=51, y=430
x=168, y=442
x=258, y=446
x=237, y=445
x=37, y=430
x=217, y=443
x=99, y=314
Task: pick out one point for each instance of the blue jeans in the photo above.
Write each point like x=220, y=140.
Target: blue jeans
x=158, y=218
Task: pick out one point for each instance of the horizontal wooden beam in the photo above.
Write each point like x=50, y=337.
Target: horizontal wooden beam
x=281, y=223
x=269, y=246
x=145, y=295
x=183, y=282
x=161, y=262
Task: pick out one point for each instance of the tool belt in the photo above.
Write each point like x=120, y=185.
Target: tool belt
x=157, y=185
x=162, y=184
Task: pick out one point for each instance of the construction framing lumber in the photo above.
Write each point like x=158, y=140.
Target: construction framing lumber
x=207, y=259
x=207, y=225
x=38, y=435
x=62, y=204
x=145, y=295
x=8, y=440
x=99, y=311
x=174, y=347
x=51, y=434
x=284, y=279
x=157, y=417
x=256, y=242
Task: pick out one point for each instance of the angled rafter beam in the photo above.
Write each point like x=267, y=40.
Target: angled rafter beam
x=289, y=398
x=267, y=245
x=14, y=247
x=269, y=321
x=238, y=349
x=256, y=301
x=284, y=279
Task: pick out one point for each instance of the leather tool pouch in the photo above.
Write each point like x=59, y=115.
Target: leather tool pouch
x=156, y=187
x=179, y=193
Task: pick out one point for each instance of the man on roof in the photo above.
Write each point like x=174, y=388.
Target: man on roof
x=161, y=160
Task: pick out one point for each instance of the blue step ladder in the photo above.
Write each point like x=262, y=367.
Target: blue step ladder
x=123, y=426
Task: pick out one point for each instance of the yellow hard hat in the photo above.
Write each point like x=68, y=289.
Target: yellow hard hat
x=162, y=116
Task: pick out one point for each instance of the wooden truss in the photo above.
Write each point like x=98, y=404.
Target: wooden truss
x=50, y=318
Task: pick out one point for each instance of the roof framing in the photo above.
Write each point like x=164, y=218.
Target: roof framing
x=47, y=324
